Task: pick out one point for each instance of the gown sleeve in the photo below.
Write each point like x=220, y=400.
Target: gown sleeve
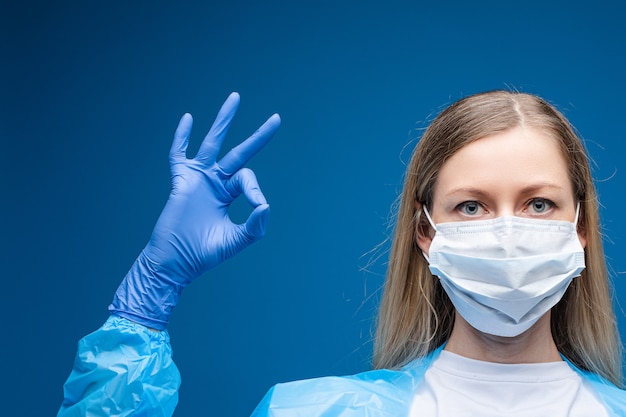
x=122, y=369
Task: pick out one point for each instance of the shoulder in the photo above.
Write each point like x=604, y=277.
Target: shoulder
x=375, y=393
x=613, y=397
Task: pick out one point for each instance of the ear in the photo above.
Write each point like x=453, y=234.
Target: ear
x=423, y=230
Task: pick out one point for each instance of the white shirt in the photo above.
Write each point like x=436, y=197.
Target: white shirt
x=455, y=386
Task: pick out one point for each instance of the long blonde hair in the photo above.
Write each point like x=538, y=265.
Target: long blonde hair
x=416, y=316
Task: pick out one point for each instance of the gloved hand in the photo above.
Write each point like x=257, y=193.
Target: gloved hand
x=194, y=233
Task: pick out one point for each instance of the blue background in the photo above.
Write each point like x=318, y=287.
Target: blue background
x=91, y=95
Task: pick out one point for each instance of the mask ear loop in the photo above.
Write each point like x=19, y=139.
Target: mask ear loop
x=432, y=223
x=430, y=220
x=576, y=215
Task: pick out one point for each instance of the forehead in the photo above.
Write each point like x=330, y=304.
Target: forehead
x=520, y=157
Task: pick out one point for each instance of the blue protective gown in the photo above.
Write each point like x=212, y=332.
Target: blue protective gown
x=124, y=369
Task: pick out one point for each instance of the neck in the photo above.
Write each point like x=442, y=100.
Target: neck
x=533, y=346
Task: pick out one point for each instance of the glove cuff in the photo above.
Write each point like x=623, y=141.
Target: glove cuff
x=145, y=297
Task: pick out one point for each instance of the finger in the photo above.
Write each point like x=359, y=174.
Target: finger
x=254, y=228
x=238, y=156
x=181, y=137
x=212, y=142
x=244, y=182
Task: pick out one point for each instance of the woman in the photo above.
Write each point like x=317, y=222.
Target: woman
x=496, y=299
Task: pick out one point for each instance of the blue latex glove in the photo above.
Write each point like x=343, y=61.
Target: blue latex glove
x=194, y=233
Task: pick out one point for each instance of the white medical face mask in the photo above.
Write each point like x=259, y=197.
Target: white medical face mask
x=504, y=274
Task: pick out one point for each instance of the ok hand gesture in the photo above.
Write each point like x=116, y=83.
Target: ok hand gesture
x=194, y=232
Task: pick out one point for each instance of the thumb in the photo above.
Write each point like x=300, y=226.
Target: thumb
x=254, y=228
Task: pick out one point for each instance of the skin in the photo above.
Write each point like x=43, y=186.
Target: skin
x=520, y=172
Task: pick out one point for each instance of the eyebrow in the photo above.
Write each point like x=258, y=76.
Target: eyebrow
x=526, y=190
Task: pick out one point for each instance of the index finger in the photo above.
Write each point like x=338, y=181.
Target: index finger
x=237, y=157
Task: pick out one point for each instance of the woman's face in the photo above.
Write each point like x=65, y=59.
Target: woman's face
x=520, y=172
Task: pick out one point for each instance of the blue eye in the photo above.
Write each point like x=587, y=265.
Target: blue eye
x=540, y=205
x=469, y=208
